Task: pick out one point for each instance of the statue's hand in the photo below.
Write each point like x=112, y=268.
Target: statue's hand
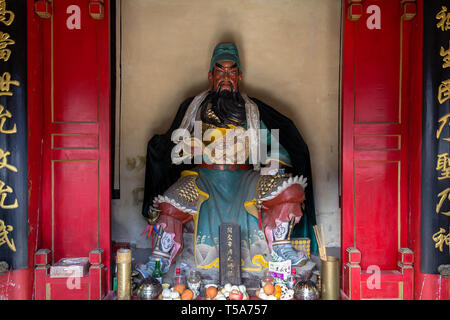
x=153, y=215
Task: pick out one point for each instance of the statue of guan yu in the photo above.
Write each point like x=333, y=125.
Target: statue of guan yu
x=228, y=157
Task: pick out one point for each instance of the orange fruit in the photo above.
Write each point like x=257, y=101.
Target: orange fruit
x=277, y=295
x=187, y=295
x=211, y=292
x=277, y=289
x=180, y=288
x=269, y=289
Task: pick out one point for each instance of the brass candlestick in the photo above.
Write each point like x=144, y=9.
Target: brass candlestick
x=330, y=278
x=124, y=274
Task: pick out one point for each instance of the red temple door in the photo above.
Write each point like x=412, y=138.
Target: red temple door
x=377, y=38
x=76, y=148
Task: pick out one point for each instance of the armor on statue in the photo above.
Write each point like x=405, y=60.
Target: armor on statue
x=228, y=158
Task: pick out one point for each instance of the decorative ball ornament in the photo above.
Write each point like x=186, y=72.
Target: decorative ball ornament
x=306, y=290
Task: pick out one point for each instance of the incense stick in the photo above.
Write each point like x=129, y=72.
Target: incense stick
x=320, y=242
x=320, y=245
x=323, y=242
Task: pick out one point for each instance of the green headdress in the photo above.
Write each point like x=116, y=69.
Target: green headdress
x=225, y=51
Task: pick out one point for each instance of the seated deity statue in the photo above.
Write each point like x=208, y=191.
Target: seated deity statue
x=228, y=158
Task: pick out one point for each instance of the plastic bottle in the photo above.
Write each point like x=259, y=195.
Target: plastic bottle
x=178, y=277
x=157, y=273
x=292, y=280
x=268, y=278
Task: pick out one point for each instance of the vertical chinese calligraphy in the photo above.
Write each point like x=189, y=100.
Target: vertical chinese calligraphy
x=443, y=165
x=6, y=16
x=435, y=199
x=4, y=230
x=230, y=253
x=440, y=238
x=230, y=261
x=443, y=121
x=443, y=161
x=5, y=41
x=13, y=134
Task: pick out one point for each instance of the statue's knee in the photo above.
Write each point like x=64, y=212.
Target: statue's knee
x=168, y=210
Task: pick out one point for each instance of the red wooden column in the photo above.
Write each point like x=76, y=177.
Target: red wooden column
x=76, y=146
x=375, y=90
x=352, y=274
x=41, y=272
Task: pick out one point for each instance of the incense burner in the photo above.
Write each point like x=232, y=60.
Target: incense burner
x=306, y=290
x=149, y=289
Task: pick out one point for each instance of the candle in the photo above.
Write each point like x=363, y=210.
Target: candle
x=124, y=274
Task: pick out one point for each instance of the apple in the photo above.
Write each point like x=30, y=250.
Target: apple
x=235, y=295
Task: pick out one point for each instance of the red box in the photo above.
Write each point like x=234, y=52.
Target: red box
x=70, y=267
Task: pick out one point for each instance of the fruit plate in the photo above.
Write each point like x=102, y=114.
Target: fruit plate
x=288, y=295
x=245, y=297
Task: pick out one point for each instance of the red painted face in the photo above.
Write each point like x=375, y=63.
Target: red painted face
x=227, y=73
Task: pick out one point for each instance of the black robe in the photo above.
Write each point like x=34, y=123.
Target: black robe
x=161, y=173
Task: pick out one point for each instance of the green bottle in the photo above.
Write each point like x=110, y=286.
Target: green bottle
x=157, y=274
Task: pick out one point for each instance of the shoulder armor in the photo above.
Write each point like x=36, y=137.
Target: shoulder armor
x=184, y=194
x=268, y=186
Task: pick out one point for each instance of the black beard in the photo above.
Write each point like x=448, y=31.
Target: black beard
x=228, y=106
